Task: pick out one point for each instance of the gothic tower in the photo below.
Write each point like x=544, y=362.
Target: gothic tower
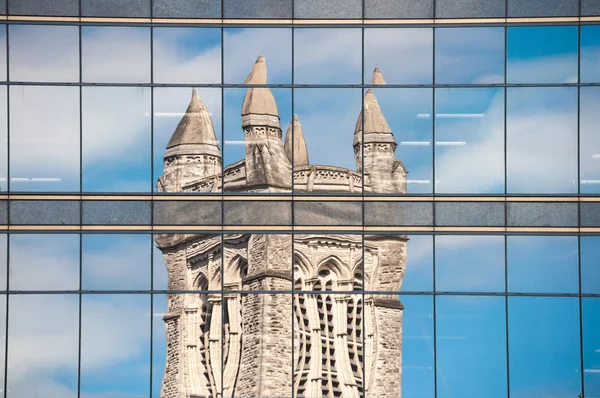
x=237, y=331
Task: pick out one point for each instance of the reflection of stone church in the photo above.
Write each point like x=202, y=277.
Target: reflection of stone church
x=343, y=342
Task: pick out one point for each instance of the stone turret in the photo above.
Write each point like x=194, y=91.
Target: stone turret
x=383, y=172
x=294, y=138
x=193, y=151
x=267, y=166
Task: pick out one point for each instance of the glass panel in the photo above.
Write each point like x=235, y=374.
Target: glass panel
x=115, y=345
x=336, y=267
x=542, y=8
x=42, y=53
x=266, y=112
x=387, y=9
x=469, y=55
x=469, y=263
x=116, y=139
x=327, y=56
x=44, y=150
x=193, y=265
x=591, y=342
x=174, y=107
x=186, y=9
x=3, y=140
x=44, y=262
x=543, y=264
x=589, y=147
x=43, y=363
x=418, y=276
x=324, y=9
x=469, y=140
x=405, y=55
x=257, y=8
x=315, y=109
x=542, y=54
x=115, y=8
x=469, y=8
x=590, y=54
x=242, y=47
x=471, y=346
x=116, y=262
x=159, y=342
x=115, y=54
x=541, y=128
x=590, y=264
x=417, y=347
x=2, y=51
x=543, y=341
x=187, y=55
x=408, y=114
x=257, y=262
x=3, y=334
x=3, y=261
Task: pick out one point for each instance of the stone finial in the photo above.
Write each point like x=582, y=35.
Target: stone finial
x=377, y=77
x=195, y=127
x=299, y=144
x=374, y=122
x=259, y=100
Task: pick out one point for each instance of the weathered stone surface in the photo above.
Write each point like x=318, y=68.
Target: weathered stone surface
x=232, y=331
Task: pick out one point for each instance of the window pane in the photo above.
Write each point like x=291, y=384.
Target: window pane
x=327, y=56
x=115, y=54
x=115, y=345
x=43, y=363
x=159, y=342
x=116, y=262
x=418, y=276
x=469, y=140
x=187, y=55
x=469, y=55
x=589, y=152
x=41, y=53
x=541, y=128
x=44, y=262
x=417, y=347
x=590, y=264
x=543, y=341
x=543, y=264
x=471, y=347
x=590, y=54
x=469, y=263
x=244, y=141
x=44, y=150
x=174, y=108
x=405, y=54
x=3, y=260
x=542, y=54
x=591, y=342
x=3, y=140
x=116, y=139
x=315, y=107
x=408, y=114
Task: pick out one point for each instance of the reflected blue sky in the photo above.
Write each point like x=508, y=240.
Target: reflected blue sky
x=469, y=123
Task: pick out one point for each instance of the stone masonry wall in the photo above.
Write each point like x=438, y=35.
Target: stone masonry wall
x=388, y=359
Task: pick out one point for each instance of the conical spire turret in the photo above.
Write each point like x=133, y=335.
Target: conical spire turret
x=194, y=129
x=296, y=140
x=259, y=100
x=376, y=128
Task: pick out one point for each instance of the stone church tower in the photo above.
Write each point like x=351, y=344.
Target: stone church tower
x=233, y=327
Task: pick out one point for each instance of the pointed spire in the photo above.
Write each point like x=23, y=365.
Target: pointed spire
x=195, y=127
x=299, y=144
x=375, y=124
x=259, y=100
x=377, y=77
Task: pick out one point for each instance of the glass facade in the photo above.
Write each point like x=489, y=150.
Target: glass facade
x=139, y=260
